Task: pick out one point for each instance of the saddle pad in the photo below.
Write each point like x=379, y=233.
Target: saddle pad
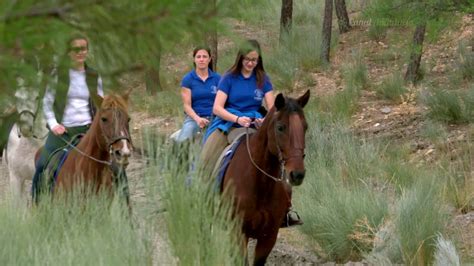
x=56, y=161
x=224, y=160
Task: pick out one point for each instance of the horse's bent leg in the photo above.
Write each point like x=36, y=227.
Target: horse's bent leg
x=264, y=247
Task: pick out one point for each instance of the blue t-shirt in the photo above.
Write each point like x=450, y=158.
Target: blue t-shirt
x=203, y=93
x=243, y=94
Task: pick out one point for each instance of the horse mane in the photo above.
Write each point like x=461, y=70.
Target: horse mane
x=114, y=101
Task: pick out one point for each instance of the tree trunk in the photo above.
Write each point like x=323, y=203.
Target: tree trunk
x=212, y=42
x=326, y=36
x=413, y=71
x=342, y=17
x=152, y=75
x=210, y=34
x=286, y=18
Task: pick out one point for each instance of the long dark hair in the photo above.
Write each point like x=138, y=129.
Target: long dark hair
x=247, y=47
x=208, y=50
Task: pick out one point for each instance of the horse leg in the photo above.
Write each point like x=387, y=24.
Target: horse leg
x=16, y=186
x=264, y=247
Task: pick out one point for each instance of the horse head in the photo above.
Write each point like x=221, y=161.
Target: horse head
x=114, y=124
x=286, y=136
x=27, y=106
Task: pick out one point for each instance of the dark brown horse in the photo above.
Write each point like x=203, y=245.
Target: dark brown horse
x=262, y=170
x=103, y=152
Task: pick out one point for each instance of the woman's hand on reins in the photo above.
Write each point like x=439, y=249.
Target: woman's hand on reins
x=58, y=130
x=202, y=122
x=244, y=121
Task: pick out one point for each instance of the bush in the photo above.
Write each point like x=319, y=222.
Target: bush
x=392, y=88
x=450, y=106
x=419, y=219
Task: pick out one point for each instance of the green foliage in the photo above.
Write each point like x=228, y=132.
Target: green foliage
x=345, y=212
x=355, y=73
x=165, y=103
x=392, y=88
x=199, y=223
x=84, y=230
x=450, y=106
x=342, y=220
x=419, y=219
x=377, y=32
x=466, y=62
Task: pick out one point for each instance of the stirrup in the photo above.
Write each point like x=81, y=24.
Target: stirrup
x=292, y=218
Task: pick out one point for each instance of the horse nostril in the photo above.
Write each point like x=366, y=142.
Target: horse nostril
x=118, y=154
x=297, y=175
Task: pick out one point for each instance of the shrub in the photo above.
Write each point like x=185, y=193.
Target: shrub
x=392, y=88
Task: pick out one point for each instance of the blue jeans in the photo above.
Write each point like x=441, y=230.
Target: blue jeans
x=189, y=130
x=53, y=143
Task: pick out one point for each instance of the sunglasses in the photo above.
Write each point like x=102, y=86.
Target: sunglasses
x=77, y=49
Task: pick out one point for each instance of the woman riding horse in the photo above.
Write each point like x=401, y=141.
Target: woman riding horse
x=69, y=103
x=239, y=97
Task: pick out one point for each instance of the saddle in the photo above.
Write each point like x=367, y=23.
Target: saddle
x=56, y=161
x=234, y=137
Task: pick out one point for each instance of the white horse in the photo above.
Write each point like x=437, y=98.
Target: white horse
x=26, y=137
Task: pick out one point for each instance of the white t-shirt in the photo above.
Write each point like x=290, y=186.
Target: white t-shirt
x=76, y=111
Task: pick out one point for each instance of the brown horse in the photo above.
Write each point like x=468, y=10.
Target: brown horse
x=102, y=154
x=262, y=170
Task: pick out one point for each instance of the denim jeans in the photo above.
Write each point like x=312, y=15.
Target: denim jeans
x=189, y=130
x=53, y=143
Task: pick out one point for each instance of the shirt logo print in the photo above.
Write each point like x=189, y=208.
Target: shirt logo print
x=213, y=89
x=258, y=95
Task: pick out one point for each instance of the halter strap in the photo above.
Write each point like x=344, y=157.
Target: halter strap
x=34, y=120
x=280, y=159
x=109, y=163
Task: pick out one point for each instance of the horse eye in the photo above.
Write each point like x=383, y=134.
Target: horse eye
x=104, y=119
x=280, y=128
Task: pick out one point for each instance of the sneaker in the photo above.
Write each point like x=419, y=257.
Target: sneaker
x=292, y=218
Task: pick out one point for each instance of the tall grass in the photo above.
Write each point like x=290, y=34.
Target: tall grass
x=450, y=106
x=466, y=62
x=84, y=230
x=392, y=87
x=345, y=212
x=419, y=218
x=199, y=224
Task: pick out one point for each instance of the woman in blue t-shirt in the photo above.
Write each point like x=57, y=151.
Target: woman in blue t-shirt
x=198, y=90
x=240, y=94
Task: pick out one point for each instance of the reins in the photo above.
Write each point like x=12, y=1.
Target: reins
x=69, y=143
x=280, y=159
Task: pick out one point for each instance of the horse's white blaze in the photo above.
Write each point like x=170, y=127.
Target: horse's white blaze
x=125, y=148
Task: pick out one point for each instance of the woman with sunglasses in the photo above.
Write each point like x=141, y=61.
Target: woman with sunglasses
x=69, y=102
x=198, y=90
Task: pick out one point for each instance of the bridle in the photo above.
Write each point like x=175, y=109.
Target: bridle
x=281, y=159
x=34, y=119
x=109, y=143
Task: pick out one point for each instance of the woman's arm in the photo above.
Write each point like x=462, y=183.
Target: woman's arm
x=188, y=109
x=269, y=99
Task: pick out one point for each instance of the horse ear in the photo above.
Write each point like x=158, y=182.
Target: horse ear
x=303, y=100
x=99, y=99
x=126, y=94
x=279, y=102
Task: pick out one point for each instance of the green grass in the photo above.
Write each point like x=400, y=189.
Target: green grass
x=82, y=231
x=392, y=88
x=419, y=218
x=199, y=224
x=450, y=106
x=466, y=62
